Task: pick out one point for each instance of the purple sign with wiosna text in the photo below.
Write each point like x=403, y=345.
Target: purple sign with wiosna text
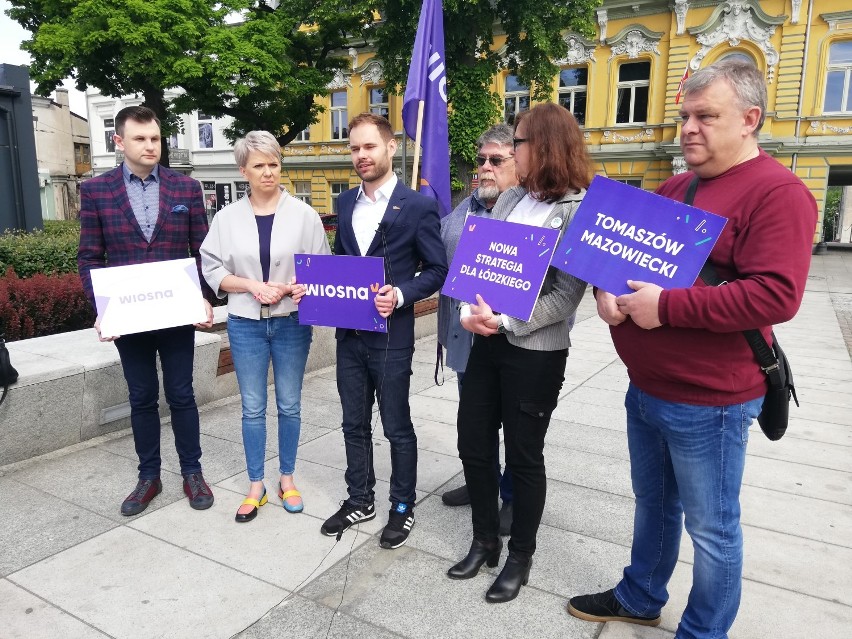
x=341, y=291
x=622, y=233
x=504, y=262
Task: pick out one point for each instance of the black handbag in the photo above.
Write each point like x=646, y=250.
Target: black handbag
x=8, y=374
x=779, y=376
x=775, y=413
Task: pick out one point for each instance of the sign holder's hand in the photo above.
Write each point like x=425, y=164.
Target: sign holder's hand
x=98, y=331
x=386, y=300
x=643, y=305
x=608, y=309
x=481, y=320
x=209, y=311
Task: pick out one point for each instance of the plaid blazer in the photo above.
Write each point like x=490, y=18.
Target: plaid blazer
x=111, y=236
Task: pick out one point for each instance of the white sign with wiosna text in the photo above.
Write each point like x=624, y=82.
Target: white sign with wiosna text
x=147, y=297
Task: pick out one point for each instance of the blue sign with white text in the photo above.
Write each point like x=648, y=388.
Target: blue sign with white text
x=622, y=233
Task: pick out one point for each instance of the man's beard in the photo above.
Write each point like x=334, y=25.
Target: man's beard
x=489, y=191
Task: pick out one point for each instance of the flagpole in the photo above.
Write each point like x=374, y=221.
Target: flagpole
x=416, y=164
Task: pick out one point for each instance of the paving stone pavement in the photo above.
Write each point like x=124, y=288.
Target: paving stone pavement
x=71, y=567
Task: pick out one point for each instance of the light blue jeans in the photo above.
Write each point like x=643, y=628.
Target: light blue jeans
x=686, y=461
x=254, y=343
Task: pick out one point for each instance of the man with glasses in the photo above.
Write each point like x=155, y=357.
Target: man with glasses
x=496, y=174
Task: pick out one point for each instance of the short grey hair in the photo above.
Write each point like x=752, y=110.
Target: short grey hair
x=258, y=141
x=744, y=78
x=501, y=134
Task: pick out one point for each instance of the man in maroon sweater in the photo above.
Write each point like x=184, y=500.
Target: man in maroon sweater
x=695, y=385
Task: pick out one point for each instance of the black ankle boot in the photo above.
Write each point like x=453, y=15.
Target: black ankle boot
x=481, y=552
x=515, y=573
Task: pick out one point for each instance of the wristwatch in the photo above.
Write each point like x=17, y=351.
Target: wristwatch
x=501, y=328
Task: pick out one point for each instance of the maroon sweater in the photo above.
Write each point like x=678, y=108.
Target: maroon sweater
x=699, y=355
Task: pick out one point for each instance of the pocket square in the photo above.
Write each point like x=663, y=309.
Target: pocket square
x=180, y=208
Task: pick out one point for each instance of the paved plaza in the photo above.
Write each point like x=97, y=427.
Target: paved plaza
x=71, y=567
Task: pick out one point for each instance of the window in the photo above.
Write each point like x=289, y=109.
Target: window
x=516, y=99
x=172, y=141
x=302, y=191
x=572, y=91
x=109, y=131
x=339, y=116
x=241, y=188
x=637, y=182
x=304, y=135
x=838, y=82
x=379, y=101
x=205, y=131
x=336, y=189
x=633, y=81
x=82, y=154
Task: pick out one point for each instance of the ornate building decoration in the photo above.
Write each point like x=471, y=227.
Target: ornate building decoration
x=613, y=137
x=325, y=149
x=633, y=40
x=797, y=7
x=578, y=50
x=823, y=128
x=298, y=150
x=734, y=22
x=679, y=164
x=373, y=72
x=602, y=20
x=340, y=80
x=681, y=7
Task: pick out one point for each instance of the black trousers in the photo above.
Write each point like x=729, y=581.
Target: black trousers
x=518, y=387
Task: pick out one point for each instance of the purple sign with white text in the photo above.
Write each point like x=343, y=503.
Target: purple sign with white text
x=504, y=262
x=622, y=233
x=341, y=291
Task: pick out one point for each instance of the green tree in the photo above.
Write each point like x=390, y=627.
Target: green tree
x=126, y=47
x=266, y=71
x=833, y=198
x=533, y=39
x=263, y=69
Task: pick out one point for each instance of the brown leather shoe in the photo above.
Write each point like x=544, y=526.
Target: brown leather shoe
x=199, y=493
x=138, y=500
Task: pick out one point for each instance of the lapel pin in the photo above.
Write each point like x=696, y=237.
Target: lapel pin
x=556, y=222
x=396, y=208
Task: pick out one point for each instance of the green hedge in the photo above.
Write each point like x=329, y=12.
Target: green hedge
x=53, y=250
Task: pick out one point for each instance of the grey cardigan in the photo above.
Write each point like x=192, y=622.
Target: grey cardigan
x=232, y=247
x=553, y=317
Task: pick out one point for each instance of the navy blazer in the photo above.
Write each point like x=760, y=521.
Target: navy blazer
x=409, y=237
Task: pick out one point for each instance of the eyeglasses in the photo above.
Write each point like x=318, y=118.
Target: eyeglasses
x=517, y=141
x=495, y=160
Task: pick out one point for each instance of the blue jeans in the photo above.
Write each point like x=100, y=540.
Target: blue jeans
x=505, y=478
x=686, y=461
x=362, y=373
x=138, y=353
x=254, y=342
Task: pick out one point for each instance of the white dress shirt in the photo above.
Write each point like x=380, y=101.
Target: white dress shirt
x=368, y=214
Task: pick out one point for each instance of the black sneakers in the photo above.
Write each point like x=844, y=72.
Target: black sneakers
x=348, y=515
x=400, y=522
x=603, y=606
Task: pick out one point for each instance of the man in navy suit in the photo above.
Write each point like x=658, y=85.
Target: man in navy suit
x=384, y=218
x=141, y=212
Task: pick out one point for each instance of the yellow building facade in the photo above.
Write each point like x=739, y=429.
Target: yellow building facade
x=622, y=85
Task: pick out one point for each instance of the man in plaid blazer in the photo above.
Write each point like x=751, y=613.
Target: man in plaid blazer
x=142, y=212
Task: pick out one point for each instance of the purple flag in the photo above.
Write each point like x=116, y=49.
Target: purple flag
x=427, y=81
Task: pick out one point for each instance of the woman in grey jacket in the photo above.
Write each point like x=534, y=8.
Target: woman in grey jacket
x=516, y=368
x=248, y=256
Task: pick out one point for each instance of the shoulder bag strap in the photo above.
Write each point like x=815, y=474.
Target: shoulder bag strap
x=765, y=357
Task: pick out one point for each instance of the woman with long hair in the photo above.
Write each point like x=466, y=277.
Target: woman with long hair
x=516, y=368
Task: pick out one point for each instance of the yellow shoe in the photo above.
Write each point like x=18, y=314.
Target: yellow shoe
x=242, y=519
